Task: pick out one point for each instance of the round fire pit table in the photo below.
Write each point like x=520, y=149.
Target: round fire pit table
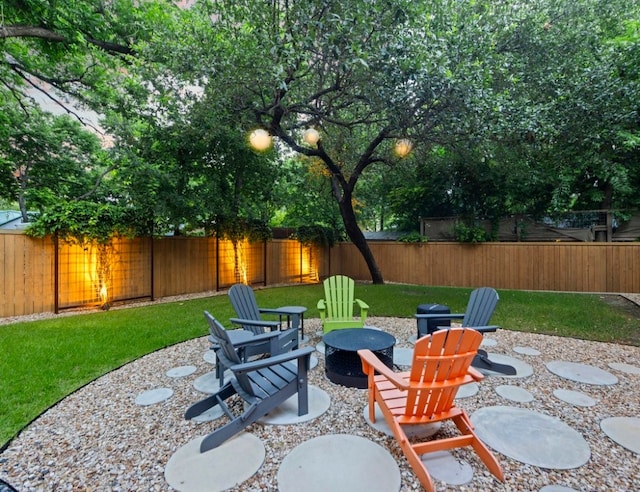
x=342, y=362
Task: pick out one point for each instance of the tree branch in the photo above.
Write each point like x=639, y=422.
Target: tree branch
x=97, y=183
x=22, y=31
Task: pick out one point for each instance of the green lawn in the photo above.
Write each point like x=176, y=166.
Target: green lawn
x=43, y=361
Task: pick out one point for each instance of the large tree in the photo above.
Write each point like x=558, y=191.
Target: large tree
x=364, y=74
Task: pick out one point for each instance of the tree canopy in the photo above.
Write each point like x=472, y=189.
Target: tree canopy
x=508, y=108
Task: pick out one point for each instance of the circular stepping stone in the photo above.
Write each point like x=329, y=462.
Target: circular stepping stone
x=526, y=351
x=208, y=383
x=320, y=347
x=581, y=373
x=210, y=356
x=412, y=339
x=557, y=488
x=339, y=462
x=523, y=370
x=531, y=437
x=442, y=465
x=211, y=414
x=287, y=412
x=514, y=393
x=180, y=372
x=153, y=396
x=226, y=466
x=467, y=390
x=624, y=431
x=576, y=398
x=402, y=356
x=627, y=368
x=313, y=362
x=413, y=431
x=488, y=342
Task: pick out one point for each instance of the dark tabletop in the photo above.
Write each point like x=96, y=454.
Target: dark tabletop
x=353, y=339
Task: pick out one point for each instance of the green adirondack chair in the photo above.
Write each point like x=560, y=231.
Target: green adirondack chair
x=337, y=308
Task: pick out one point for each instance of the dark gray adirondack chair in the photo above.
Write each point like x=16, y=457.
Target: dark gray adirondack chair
x=249, y=317
x=482, y=303
x=246, y=343
x=263, y=385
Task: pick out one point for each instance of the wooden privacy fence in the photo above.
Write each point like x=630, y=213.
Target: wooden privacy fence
x=569, y=267
x=36, y=277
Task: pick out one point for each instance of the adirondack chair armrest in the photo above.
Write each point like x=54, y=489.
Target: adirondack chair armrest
x=256, y=339
x=271, y=361
x=272, y=325
x=276, y=311
x=322, y=308
x=364, y=307
x=371, y=364
x=475, y=374
x=485, y=329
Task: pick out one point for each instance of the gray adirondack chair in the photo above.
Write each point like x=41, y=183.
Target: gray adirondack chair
x=249, y=317
x=482, y=303
x=263, y=385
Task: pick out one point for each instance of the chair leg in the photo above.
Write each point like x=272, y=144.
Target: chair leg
x=222, y=434
x=464, y=425
x=210, y=402
x=416, y=463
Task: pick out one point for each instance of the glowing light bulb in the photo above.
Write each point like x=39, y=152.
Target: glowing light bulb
x=311, y=136
x=403, y=147
x=260, y=139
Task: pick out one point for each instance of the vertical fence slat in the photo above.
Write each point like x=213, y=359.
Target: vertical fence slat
x=190, y=265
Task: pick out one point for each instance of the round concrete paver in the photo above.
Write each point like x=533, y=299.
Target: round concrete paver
x=153, y=396
x=488, y=342
x=226, y=466
x=412, y=339
x=627, y=368
x=320, y=347
x=402, y=356
x=180, y=372
x=557, y=488
x=313, y=361
x=287, y=412
x=581, y=373
x=209, y=356
x=576, y=398
x=531, y=437
x=467, y=390
x=442, y=465
x=211, y=414
x=336, y=463
x=422, y=431
x=514, y=393
x=624, y=431
x=526, y=351
x=208, y=383
x=523, y=370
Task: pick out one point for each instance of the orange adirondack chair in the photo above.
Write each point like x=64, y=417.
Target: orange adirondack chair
x=425, y=394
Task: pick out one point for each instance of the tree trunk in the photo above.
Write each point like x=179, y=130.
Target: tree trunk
x=22, y=199
x=357, y=237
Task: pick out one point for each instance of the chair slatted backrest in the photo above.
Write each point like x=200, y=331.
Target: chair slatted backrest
x=482, y=303
x=440, y=365
x=227, y=353
x=245, y=305
x=339, y=293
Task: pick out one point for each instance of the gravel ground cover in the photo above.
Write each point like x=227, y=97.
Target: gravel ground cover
x=99, y=439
